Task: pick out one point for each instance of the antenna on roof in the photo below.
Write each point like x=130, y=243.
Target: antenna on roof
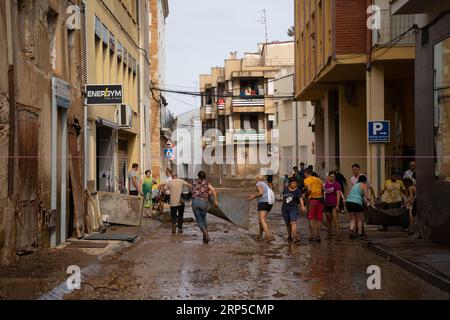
x=264, y=22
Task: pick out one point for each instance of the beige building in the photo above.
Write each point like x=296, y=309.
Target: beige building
x=40, y=134
x=354, y=74
x=116, y=50
x=293, y=120
x=238, y=101
x=160, y=131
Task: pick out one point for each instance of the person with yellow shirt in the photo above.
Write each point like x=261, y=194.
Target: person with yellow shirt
x=392, y=194
x=314, y=193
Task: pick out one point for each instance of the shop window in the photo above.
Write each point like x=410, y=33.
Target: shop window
x=442, y=110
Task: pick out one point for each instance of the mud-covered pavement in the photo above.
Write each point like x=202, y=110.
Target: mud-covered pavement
x=236, y=266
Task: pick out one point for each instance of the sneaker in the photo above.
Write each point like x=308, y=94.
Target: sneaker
x=174, y=229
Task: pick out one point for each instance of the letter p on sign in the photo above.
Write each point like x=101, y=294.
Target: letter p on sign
x=377, y=128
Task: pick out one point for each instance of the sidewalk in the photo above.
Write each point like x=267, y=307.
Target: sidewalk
x=426, y=260
x=43, y=275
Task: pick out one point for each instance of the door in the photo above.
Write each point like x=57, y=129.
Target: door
x=27, y=225
x=122, y=162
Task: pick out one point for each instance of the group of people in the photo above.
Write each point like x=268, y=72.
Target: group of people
x=176, y=192
x=306, y=192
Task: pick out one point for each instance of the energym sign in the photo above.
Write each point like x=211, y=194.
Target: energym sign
x=110, y=94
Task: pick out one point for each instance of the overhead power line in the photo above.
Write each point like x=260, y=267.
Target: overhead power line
x=224, y=95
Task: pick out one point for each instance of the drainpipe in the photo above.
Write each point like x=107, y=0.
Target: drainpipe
x=63, y=232
x=54, y=186
x=12, y=100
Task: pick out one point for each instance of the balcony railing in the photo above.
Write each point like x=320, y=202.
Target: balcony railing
x=251, y=136
x=393, y=28
x=257, y=101
x=221, y=104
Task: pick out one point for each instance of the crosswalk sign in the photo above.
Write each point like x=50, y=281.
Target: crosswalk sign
x=169, y=153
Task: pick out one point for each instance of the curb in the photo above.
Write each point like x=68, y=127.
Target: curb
x=91, y=270
x=415, y=269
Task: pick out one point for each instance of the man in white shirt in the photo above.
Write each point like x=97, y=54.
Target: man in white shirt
x=411, y=172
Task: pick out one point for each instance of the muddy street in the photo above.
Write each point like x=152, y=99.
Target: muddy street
x=237, y=266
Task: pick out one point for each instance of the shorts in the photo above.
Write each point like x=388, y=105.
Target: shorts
x=315, y=210
x=290, y=214
x=329, y=209
x=354, y=207
x=264, y=206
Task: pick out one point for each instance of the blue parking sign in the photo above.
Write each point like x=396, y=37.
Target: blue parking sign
x=379, y=131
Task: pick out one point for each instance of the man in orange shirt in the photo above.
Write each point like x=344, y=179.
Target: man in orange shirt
x=314, y=193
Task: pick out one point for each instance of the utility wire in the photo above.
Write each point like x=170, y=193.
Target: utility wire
x=226, y=95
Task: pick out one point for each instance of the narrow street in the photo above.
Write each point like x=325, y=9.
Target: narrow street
x=236, y=266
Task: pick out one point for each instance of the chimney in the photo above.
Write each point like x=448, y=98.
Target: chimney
x=233, y=55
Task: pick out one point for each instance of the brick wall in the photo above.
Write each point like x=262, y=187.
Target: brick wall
x=350, y=20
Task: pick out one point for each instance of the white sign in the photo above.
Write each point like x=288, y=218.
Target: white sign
x=61, y=92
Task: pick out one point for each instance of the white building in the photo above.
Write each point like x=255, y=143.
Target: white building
x=188, y=143
x=293, y=122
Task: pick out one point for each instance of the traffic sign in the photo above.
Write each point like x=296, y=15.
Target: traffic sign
x=379, y=131
x=169, y=153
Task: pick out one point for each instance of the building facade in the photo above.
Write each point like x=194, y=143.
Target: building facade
x=188, y=141
x=432, y=95
x=238, y=114
x=293, y=120
x=116, y=51
x=160, y=132
x=41, y=115
x=357, y=67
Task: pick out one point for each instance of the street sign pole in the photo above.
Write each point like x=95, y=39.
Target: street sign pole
x=378, y=167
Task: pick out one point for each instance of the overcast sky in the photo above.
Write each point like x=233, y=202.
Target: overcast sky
x=201, y=33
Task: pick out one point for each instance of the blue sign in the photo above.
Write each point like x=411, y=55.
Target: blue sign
x=379, y=131
x=169, y=153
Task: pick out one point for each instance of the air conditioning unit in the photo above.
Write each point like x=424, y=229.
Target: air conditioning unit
x=124, y=116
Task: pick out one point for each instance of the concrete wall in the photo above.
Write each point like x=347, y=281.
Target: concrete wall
x=352, y=130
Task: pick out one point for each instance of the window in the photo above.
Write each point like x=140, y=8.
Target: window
x=52, y=21
x=105, y=35
x=303, y=112
x=251, y=87
x=442, y=110
x=119, y=51
x=112, y=42
x=125, y=56
x=249, y=122
x=98, y=28
x=287, y=111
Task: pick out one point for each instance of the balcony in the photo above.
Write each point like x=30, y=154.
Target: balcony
x=249, y=136
x=221, y=104
x=392, y=28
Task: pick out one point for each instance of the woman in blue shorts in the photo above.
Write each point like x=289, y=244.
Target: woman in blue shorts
x=292, y=200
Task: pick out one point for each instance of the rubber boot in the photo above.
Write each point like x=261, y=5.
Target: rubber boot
x=205, y=235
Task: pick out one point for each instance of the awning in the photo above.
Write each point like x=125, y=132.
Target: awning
x=107, y=123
